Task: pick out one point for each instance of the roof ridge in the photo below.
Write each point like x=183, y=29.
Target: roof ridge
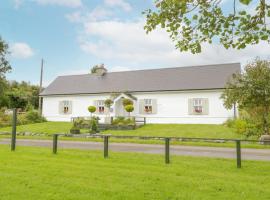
x=166, y=68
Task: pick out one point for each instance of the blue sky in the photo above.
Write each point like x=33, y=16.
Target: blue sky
x=73, y=35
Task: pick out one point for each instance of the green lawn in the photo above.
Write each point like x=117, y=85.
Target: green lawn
x=34, y=173
x=180, y=130
x=45, y=127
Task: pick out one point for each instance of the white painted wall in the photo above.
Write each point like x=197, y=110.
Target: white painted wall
x=172, y=107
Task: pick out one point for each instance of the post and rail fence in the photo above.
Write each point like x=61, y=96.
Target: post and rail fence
x=165, y=139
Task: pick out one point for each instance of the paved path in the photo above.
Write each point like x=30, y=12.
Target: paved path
x=218, y=152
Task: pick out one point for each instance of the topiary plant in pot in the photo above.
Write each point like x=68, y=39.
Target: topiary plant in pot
x=92, y=109
x=129, y=109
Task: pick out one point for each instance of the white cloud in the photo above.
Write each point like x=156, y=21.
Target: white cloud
x=66, y=3
x=74, y=17
x=118, y=3
x=17, y=4
x=21, y=50
x=127, y=42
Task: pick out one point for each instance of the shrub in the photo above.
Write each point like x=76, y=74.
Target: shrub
x=245, y=127
x=127, y=102
x=75, y=130
x=240, y=126
x=34, y=117
x=108, y=103
x=129, y=108
x=94, y=125
x=122, y=121
x=78, y=122
x=92, y=109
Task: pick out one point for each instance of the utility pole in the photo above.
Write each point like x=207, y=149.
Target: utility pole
x=40, y=87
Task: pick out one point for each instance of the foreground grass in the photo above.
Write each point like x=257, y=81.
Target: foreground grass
x=34, y=173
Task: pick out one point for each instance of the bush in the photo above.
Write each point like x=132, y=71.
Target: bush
x=127, y=102
x=129, y=108
x=92, y=109
x=25, y=118
x=244, y=127
x=34, y=117
x=122, y=121
x=94, y=125
x=240, y=126
x=75, y=130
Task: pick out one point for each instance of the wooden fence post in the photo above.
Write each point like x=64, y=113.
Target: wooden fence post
x=55, y=141
x=14, y=125
x=106, y=146
x=144, y=120
x=167, y=150
x=238, y=153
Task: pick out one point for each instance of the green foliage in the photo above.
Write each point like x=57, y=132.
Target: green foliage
x=20, y=95
x=92, y=109
x=33, y=116
x=75, y=130
x=94, y=125
x=108, y=103
x=129, y=108
x=123, y=121
x=127, y=102
x=192, y=23
x=251, y=92
x=94, y=69
x=4, y=64
x=24, y=118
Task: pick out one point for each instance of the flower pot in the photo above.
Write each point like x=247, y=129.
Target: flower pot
x=75, y=131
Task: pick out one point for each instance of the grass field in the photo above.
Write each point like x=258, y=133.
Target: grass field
x=180, y=130
x=34, y=173
x=177, y=130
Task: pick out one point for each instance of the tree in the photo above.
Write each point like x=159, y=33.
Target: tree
x=4, y=64
x=108, y=103
x=4, y=68
x=251, y=91
x=129, y=109
x=193, y=22
x=19, y=95
x=92, y=109
x=94, y=69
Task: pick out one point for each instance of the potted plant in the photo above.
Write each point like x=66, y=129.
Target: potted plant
x=127, y=102
x=129, y=109
x=92, y=109
x=108, y=103
x=75, y=130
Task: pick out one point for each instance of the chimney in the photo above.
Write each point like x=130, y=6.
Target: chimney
x=100, y=70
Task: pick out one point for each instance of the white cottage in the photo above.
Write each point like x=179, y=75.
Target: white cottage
x=189, y=95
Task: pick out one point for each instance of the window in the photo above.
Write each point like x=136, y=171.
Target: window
x=100, y=106
x=148, y=106
x=65, y=107
x=197, y=106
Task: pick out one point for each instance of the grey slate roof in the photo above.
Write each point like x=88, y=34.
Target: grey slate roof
x=166, y=79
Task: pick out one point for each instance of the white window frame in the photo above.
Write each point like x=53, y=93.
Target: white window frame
x=100, y=104
x=197, y=105
x=66, y=107
x=148, y=106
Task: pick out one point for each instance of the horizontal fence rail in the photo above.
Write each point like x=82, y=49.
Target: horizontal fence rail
x=165, y=139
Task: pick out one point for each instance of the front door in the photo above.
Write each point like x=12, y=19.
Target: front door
x=119, y=109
